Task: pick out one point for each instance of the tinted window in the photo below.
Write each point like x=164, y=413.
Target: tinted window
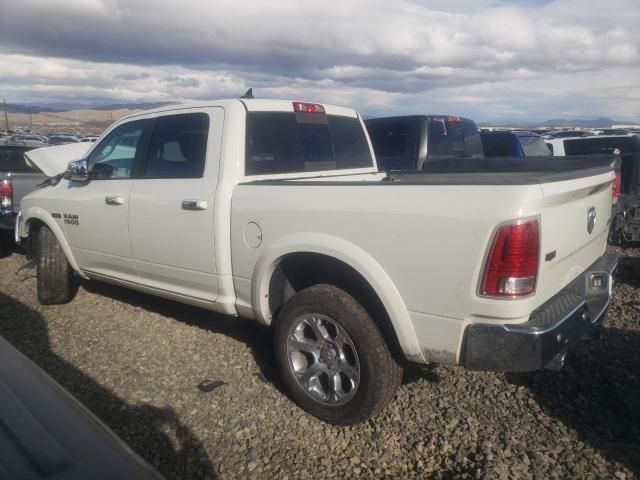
x=497, y=145
x=114, y=156
x=392, y=144
x=534, y=147
x=12, y=160
x=178, y=146
x=597, y=146
x=281, y=142
x=453, y=138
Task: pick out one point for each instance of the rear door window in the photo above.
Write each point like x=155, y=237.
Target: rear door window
x=178, y=146
x=283, y=142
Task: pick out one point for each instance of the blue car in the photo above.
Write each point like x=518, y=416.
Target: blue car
x=513, y=144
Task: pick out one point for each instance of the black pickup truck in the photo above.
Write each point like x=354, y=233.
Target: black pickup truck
x=405, y=143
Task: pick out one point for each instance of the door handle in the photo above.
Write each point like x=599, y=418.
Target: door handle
x=114, y=200
x=194, y=204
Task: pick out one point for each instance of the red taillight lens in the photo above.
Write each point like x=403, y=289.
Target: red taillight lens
x=300, y=107
x=617, y=185
x=512, y=266
x=6, y=193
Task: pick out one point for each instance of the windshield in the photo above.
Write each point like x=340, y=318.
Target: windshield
x=452, y=136
x=282, y=142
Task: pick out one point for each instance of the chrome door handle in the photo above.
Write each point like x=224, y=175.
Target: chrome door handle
x=194, y=204
x=114, y=200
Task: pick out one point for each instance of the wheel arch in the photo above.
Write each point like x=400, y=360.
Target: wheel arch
x=36, y=218
x=338, y=262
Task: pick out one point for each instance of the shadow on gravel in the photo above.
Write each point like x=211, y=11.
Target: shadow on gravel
x=628, y=271
x=256, y=336
x=142, y=427
x=597, y=394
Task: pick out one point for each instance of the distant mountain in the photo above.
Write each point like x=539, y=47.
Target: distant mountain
x=20, y=108
x=132, y=106
x=17, y=108
x=579, y=122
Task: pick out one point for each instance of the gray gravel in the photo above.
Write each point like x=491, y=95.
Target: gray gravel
x=137, y=361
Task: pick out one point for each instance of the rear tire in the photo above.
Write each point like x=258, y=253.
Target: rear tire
x=323, y=332
x=56, y=279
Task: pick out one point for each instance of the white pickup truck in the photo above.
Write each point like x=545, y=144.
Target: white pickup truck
x=275, y=210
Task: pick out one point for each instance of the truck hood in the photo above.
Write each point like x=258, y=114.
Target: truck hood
x=54, y=160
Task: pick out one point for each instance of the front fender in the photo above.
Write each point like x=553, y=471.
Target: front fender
x=349, y=254
x=37, y=213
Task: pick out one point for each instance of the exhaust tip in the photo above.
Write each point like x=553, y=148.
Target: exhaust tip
x=557, y=362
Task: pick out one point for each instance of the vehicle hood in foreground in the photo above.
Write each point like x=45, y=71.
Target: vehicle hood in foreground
x=54, y=160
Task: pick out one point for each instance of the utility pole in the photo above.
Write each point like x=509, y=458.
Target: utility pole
x=6, y=116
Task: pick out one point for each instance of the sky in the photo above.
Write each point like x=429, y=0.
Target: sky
x=485, y=59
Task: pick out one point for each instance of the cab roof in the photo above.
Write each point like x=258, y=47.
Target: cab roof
x=251, y=105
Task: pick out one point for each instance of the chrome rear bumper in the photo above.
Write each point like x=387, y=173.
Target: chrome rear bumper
x=577, y=311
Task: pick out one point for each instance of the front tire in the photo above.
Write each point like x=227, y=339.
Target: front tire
x=332, y=358
x=56, y=279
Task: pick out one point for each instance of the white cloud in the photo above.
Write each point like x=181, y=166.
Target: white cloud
x=485, y=58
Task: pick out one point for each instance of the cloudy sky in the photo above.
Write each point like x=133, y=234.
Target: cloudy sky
x=486, y=59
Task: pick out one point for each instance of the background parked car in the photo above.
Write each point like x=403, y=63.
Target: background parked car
x=513, y=144
x=17, y=178
x=62, y=139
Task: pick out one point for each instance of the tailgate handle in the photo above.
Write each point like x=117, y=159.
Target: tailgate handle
x=114, y=200
x=194, y=204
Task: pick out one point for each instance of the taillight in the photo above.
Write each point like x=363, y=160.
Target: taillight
x=512, y=266
x=617, y=185
x=300, y=107
x=6, y=193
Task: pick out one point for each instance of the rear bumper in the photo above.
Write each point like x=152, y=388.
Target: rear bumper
x=577, y=311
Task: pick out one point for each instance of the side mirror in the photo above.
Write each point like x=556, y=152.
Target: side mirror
x=77, y=171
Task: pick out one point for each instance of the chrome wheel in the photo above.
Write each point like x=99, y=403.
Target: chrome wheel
x=323, y=359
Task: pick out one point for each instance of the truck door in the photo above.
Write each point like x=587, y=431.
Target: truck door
x=95, y=213
x=172, y=205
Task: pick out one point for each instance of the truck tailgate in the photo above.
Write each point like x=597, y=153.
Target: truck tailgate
x=575, y=219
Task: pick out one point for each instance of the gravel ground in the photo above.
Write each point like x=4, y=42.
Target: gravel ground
x=137, y=361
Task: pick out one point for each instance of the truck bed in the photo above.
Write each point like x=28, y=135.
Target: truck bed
x=473, y=171
x=505, y=171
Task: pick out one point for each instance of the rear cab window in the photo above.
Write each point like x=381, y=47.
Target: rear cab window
x=394, y=143
x=497, y=145
x=450, y=136
x=534, y=146
x=293, y=142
